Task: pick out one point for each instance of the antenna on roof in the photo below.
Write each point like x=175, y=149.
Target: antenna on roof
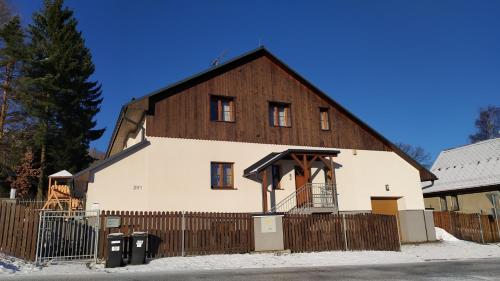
x=217, y=61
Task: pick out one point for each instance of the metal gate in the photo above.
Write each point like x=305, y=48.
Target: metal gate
x=67, y=236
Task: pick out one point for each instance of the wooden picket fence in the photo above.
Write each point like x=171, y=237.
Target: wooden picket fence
x=177, y=234
x=18, y=230
x=327, y=232
x=472, y=227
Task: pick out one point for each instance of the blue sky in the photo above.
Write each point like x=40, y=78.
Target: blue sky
x=416, y=71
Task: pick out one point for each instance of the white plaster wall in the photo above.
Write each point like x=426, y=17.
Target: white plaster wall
x=174, y=175
x=365, y=175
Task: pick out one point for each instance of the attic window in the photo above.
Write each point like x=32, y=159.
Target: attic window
x=324, y=119
x=279, y=114
x=222, y=109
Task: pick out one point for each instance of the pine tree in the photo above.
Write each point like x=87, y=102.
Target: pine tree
x=12, y=53
x=58, y=91
x=14, y=126
x=5, y=13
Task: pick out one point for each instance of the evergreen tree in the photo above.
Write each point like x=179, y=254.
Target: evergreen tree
x=13, y=123
x=12, y=52
x=58, y=91
x=5, y=13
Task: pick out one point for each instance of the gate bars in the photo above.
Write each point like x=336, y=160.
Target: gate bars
x=65, y=236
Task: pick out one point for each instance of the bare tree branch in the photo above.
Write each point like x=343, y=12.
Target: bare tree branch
x=418, y=153
x=487, y=124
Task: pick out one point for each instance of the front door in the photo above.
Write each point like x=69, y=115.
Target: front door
x=303, y=197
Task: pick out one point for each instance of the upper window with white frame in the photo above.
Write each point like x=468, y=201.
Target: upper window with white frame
x=222, y=109
x=280, y=114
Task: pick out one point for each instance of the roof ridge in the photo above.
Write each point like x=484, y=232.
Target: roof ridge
x=471, y=144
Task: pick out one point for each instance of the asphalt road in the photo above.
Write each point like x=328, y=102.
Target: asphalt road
x=487, y=269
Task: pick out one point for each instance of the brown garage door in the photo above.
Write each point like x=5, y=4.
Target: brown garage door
x=386, y=206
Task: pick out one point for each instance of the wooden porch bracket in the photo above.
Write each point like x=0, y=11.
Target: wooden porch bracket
x=294, y=157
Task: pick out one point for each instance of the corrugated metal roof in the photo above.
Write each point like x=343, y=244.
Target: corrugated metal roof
x=474, y=165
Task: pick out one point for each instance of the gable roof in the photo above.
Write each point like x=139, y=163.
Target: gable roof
x=61, y=174
x=146, y=103
x=471, y=166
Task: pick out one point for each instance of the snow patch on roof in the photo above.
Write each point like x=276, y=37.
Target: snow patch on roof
x=468, y=166
x=62, y=174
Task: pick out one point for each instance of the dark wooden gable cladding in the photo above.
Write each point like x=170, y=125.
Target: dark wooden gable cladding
x=253, y=85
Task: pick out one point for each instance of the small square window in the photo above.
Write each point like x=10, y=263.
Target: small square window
x=222, y=109
x=222, y=176
x=279, y=114
x=324, y=118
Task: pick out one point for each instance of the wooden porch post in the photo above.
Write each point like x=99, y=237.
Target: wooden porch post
x=264, y=191
x=307, y=173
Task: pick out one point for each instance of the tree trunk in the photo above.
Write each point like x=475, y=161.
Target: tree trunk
x=5, y=98
x=39, y=190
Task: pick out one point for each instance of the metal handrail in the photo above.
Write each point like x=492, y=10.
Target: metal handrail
x=310, y=195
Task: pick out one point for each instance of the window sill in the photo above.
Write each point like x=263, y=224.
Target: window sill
x=223, y=188
x=222, y=121
x=281, y=127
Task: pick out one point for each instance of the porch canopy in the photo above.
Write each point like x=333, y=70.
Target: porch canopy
x=298, y=155
x=303, y=157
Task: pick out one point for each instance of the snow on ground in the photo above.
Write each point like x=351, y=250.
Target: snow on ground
x=449, y=248
x=443, y=235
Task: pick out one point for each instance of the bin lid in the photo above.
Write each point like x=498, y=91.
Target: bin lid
x=138, y=233
x=117, y=234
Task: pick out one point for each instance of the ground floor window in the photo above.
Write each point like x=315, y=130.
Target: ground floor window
x=454, y=203
x=222, y=175
x=444, y=205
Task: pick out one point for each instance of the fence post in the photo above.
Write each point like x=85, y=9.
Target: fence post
x=38, y=237
x=345, y=231
x=451, y=224
x=97, y=232
x=480, y=227
x=183, y=223
x=496, y=222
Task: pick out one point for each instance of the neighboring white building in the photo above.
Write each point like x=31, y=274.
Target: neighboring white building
x=469, y=176
x=250, y=135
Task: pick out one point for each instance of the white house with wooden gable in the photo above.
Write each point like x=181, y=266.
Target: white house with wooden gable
x=252, y=135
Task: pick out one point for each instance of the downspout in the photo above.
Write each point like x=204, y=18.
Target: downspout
x=430, y=185
x=427, y=186
x=143, y=132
